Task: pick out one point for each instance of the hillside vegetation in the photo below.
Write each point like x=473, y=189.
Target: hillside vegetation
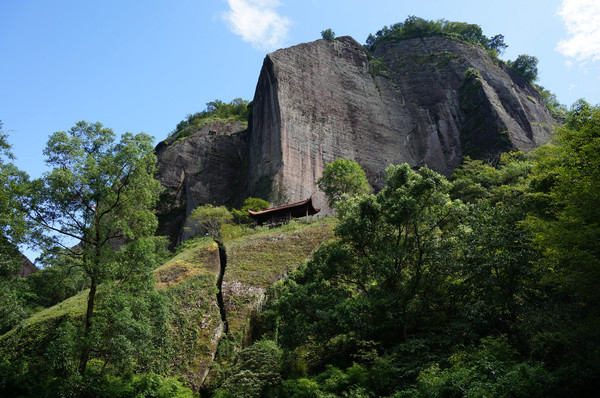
x=238, y=110
x=187, y=287
x=484, y=283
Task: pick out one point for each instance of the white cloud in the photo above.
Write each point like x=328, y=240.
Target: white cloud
x=257, y=22
x=582, y=20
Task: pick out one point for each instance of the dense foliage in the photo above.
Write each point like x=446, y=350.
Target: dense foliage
x=557, y=109
x=92, y=214
x=14, y=229
x=220, y=223
x=526, y=66
x=209, y=220
x=343, y=177
x=241, y=216
x=13, y=223
x=328, y=34
x=567, y=181
x=238, y=110
x=419, y=27
x=484, y=285
x=99, y=196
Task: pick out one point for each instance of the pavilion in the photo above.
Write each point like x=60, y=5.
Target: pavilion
x=276, y=215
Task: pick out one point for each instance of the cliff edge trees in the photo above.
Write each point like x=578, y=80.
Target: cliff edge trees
x=418, y=27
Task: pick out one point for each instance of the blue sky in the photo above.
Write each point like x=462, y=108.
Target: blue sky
x=144, y=65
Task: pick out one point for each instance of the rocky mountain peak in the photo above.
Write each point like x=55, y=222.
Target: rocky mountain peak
x=422, y=101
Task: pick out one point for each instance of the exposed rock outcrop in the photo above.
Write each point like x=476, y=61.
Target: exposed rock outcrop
x=408, y=102
x=189, y=281
x=205, y=167
x=27, y=267
x=423, y=101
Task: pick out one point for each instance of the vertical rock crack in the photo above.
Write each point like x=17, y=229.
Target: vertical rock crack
x=220, y=302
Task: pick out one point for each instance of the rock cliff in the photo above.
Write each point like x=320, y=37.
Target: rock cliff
x=205, y=167
x=423, y=101
x=27, y=267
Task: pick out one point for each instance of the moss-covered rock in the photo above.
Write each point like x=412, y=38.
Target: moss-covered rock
x=190, y=282
x=257, y=261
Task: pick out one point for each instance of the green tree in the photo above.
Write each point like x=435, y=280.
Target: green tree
x=497, y=43
x=257, y=368
x=493, y=370
x=241, y=216
x=567, y=181
x=526, y=66
x=398, y=239
x=97, y=199
x=14, y=230
x=12, y=303
x=375, y=280
x=13, y=222
x=565, y=227
x=210, y=220
x=343, y=176
x=499, y=281
x=130, y=330
x=477, y=180
x=328, y=34
x=558, y=110
x=59, y=279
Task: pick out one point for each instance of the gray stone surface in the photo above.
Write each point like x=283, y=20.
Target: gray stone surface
x=204, y=168
x=319, y=101
x=27, y=267
x=315, y=102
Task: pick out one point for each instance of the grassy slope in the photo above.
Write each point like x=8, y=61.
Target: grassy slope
x=31, y=337
x=257, y=261
x=189, y=281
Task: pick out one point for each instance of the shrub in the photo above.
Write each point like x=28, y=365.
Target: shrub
x=328, y=34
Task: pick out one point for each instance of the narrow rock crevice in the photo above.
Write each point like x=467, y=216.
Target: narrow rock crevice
x=220, y=302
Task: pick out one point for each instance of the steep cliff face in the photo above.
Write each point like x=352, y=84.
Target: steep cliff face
x=205, y=167
x=413, y=101
x=455, y=90
x=423, y=101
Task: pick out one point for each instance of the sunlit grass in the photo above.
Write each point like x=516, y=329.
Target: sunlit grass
x=200, y=257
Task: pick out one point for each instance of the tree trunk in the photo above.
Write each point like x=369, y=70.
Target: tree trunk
x=85, y=352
